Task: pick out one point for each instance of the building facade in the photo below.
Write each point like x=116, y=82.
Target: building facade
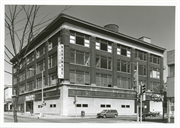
x=170, y=80
x=95, y=64
x=7, y=97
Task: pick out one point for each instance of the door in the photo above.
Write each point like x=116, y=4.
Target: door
x=29, y=106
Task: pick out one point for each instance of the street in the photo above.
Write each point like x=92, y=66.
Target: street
x=8, y=118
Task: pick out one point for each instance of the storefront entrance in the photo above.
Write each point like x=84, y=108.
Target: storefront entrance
x=29, y=106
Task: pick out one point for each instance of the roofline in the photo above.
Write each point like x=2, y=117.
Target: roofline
x=66, y=17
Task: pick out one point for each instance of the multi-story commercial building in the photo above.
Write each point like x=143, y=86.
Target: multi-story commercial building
x=170, y=80
x=94, y=63
x=7, y=97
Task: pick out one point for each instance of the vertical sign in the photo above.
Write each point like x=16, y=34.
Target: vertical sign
x=60, y=60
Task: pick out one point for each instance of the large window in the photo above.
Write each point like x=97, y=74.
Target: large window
x=30, y=86
x=123, y=66
x=123, y=82
x=40, y=51
x=79, y=77
x=123, y=50
x=79, y=39
x=22, y=77
x=154, y=73
x=21, y=89
x=30, y=72
x=52, y=79
x=103, y=80
x=103, y=62
x=154, y=86
x=52, y=60
x=171, y=71
x=40, y=67
x=103, y=45
x=53, y=41
x=81, y=58
x=39, y=83
x=142, y=70
x=140, y=55
x=22, y=64
x=154, y=59
x=15, y=80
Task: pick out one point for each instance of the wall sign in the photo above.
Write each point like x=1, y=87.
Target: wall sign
x=60, y=60
x=30, y=97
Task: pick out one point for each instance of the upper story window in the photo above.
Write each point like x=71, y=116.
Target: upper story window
x=30, y=58
x=142, y=70
x=123, y=66
x=123, y=82
x=14, y=69
x=171, y=70
x=103, y=45
x=154, y=59
x=52, y=60
x=104, y=62
x=123, y=50
x=154, y=73
x=22, y=64
x=140, y=55
x=53, y=41
x=22, y=76
x=80, y=39
x=52, y=79
x=40, y=67
x=15, y=80
x=30, y=72
x=81, y=58
x=40, y=51
x=39, y=83
x=104, y=80
x=21, y=89
x=79, y=77
x=30, y=86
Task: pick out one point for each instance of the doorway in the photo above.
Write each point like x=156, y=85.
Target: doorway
x=29, y=106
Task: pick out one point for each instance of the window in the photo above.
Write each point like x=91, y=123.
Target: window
x=30, y=58
x=154, y=86
x=22, y=64
x=123, y=66
x=102, y=105
x=123, y=106
x=154, y=73
x=52, y=60
x=21, y=89
x=171, y=70
x=52, y=105
x=39, y=83
x=79, y=77
x=123, y=50
x=30, y=86
x=52, y=79
x=108, y=105
x=53, y=41
x=103, y=80
x=154, y=59
x=104, y=45
x=30, y=72
x=127, y=106
x=22, y=77
x=39, y=106
x=141, y=70
x=140, y=55
x=81, y=58
x=123, y=82
x=15, y=80
x=40, y=51
x=14, y=69
x=40, y=67
x=103, y=62
x=78, y=105
x=79, y=39
x=85, y=105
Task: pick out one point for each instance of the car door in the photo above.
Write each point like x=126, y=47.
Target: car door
x=108, y=114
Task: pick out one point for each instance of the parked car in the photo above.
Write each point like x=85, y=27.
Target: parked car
x=107, y=113
x=151, y=114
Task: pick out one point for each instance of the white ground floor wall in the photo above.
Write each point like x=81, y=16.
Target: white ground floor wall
x=156, y=107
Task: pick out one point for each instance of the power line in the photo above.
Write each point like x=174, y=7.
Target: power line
x=7, y=55
x=8, y=72
x=8, y=62
x=9, y=50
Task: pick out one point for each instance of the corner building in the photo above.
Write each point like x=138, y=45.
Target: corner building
x=94, y=63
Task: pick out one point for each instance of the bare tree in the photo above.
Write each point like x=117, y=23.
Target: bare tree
x=22, y=37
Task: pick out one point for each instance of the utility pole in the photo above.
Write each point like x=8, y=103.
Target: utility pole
x=137, y=79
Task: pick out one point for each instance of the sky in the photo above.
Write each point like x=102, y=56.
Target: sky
x=155, y=22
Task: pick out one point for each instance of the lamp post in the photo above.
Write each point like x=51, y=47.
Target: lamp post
x=137, y=86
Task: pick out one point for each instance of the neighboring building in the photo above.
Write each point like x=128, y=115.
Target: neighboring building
x=170, y=79
x=94, y=63
x=7, y=97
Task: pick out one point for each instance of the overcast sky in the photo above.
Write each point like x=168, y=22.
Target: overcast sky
x=155, y=22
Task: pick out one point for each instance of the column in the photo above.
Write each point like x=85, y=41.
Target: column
x=114, y=65
x=93, y=61
x=133, y=64
x=148, y=72
x=64, y=100
x=46, y=63
x=161, y=71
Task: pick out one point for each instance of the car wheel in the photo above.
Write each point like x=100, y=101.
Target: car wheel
x=104, y=116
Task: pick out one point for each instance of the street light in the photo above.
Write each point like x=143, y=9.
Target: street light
x=41, y=114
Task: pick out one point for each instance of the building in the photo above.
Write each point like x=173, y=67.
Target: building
x=93, y=63
x=170, y=80
x=7, y=97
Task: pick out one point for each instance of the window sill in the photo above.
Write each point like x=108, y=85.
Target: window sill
x=80, y=65
x=104, y=69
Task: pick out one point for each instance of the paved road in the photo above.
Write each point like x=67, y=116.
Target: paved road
x=8, y=118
